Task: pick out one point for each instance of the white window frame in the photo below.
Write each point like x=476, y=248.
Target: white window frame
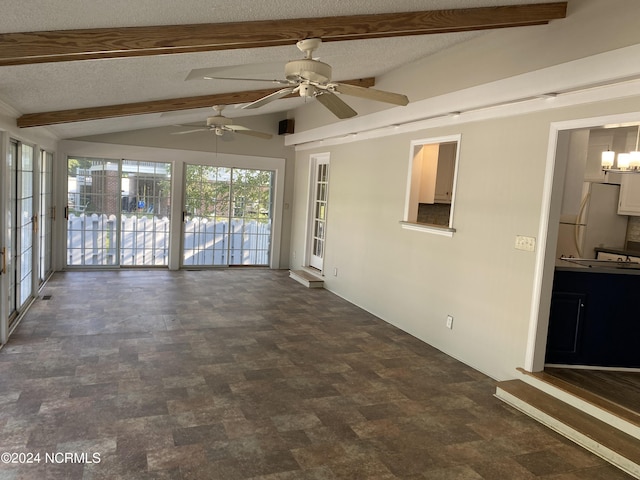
x=408, y=222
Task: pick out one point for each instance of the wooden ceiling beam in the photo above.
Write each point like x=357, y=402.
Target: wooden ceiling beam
x=153, y=106
x=69, y=45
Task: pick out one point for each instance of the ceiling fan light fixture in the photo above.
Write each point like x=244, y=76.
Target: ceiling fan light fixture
x=307, y=90
x=311, y=78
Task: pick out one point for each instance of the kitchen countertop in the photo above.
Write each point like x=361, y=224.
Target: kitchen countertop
x=589, y=265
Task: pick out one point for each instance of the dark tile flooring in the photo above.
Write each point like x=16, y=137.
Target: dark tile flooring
x=244, y=373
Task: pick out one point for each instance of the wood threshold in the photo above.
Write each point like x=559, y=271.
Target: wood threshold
x=589, y=397
x=591, y=428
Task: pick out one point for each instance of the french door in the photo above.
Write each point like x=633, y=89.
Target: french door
x=117, y=212
x=318, y=206
x=46, y=216
x=20, y=225
x=227, y=218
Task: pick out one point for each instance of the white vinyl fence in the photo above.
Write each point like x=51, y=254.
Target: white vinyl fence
x=91, y=240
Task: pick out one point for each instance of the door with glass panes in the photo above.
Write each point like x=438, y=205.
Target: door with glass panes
x=18, y=255
x=318, y=202
x=47, y=216
x=228, y=216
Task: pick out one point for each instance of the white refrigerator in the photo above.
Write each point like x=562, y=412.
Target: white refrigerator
x=596, y=225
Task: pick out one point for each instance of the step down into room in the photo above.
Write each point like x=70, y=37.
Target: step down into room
x=596, y=427
x=307, y=278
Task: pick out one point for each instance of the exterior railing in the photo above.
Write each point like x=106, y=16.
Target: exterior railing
x=144, y=241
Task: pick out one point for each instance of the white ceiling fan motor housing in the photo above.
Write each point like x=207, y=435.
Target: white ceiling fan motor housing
x=218, y=120
x=307, y=69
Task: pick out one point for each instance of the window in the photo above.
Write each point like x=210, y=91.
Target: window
x=433, y=166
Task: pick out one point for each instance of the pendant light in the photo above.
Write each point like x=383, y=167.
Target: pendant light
x=607, y=159
x=627, y=161
x=624, y=160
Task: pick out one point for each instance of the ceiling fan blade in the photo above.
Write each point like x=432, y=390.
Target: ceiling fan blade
x=336, y=105
x=271, y=97
x=371, y=94
x=190, y=131
x=279, y=82
x=253, y=133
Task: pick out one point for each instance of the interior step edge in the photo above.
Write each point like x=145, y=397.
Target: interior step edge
x=591, y=444
x=599, y=411
x=306, y=278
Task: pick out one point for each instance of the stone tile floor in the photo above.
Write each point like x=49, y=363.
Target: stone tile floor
x=243, y=373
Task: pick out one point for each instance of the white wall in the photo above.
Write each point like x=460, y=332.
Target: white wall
x=414, y=279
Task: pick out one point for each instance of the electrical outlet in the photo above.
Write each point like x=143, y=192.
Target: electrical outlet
x=449, y=322
x=526, y=243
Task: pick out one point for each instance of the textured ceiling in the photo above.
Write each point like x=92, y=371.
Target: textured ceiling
x=59, y=86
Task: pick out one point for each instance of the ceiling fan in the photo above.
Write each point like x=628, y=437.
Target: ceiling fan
x=221, y=125
x=311, y=78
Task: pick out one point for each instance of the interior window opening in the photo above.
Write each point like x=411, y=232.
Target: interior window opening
x=431, y=183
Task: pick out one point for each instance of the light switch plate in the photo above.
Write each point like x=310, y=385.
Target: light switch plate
x=526, y=243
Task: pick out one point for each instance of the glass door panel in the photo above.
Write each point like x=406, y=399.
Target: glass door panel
x=92, y=211
x=319, y=209
x=12, y=233
x=250, y=231
x=24, y=253
x=145, y=206
x=206, y=215
x=47, y=215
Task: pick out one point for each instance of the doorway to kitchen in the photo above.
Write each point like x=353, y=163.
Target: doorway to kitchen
x=559, y=171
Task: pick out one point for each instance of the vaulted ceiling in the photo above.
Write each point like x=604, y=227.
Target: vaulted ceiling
x=82, y=68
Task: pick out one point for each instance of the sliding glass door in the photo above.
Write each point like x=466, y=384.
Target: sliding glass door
x=117, y=212
x=227, y=216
